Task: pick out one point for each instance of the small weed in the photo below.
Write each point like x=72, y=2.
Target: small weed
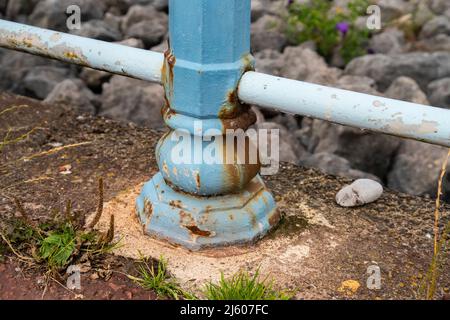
x=158, y=279
x=58, y=247
x=313, y=21
x=243, y=286
x=58, y=242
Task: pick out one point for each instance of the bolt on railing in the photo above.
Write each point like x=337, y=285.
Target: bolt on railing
x=208, y=78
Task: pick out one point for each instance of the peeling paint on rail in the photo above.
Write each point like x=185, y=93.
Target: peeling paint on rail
x=96, y=54
x=379, y=114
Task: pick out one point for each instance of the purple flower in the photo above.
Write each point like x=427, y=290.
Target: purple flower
x=290, y=2
x=343, y=27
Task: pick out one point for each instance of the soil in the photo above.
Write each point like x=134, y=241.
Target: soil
x=67, y=152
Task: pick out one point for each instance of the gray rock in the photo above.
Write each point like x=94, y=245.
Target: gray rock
x=73, y=92
x=332, y=164
x=404, y=88
x=145, y=23
x=266, y=34
x=14, y=8
x=416, y=168
x=360, y=192
x=3, y=4
x=118, y=7
x=132, y=42
x=390, y=41
x=133, y=100
x=51, y=14
x=290, y=149
x=263, y=7
x=269, y=61
x=366, y=151
x=440, y=42
x=105, y=30
x=439, y=6
x=392, y=9
x=290, y=122
x=160, y=5
x=422, y=67
x=439, y=93
x=14, y=66
x=162, y=47
x=359, y=84
x=94, y=79
x=150, y=34
x=301, y=63
x=437, y=25
x=258, y=9
x=40, y=81
x=435, y=35
x=422, y=14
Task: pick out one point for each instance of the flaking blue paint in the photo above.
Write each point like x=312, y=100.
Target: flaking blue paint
x=199, y=204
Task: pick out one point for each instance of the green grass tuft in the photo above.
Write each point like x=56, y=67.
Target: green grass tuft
x=157, y=279
x=243, y=286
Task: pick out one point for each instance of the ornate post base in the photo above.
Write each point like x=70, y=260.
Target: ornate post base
x=198, y=222
x=208, y=192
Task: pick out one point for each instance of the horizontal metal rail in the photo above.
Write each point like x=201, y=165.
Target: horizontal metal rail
x=96, y=54
x=394, y=117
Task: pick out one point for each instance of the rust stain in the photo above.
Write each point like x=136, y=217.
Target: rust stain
x=176, y=204
x=253, y=219
x=232, y=107
x=71, y=55
x=248, y=63
x=239, y=172
x=28, y=43
x=166, y=111
x=148, y=209
x=244, y=120
x=275, y=218
x=167, y=70
x=233, y=113
x=21, y=40
x=166, y=169
x=197, y=180
x=197, y=231
x=186, y=218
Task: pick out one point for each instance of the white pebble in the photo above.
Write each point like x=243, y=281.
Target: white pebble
x=360, y=192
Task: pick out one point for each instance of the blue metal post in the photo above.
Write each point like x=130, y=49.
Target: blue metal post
x=193, y=202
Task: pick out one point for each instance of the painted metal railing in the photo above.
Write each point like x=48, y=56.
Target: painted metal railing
x=345, y=107
x=207, y=75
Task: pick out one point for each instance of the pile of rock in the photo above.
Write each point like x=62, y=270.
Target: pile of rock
x=412, y=69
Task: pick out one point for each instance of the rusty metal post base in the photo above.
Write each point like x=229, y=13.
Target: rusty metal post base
x=201, y=222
